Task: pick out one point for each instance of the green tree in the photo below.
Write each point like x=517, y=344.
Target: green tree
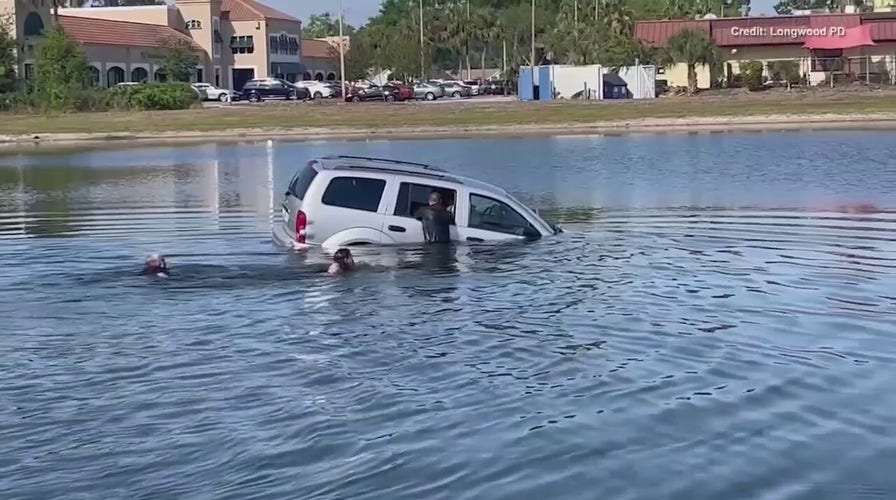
x=8, y=61
x=62, y=71
x=323, y=25
x=179, y=59
x=693, y=47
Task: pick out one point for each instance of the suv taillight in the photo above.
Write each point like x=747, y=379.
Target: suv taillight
x=301, y=224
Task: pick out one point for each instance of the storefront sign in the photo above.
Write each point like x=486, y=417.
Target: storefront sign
x=757, y=31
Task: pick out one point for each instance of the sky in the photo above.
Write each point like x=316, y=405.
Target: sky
x=358, y=11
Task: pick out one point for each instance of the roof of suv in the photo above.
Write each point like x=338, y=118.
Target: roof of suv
x=386, y=165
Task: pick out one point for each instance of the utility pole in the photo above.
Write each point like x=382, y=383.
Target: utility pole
x=467, y=41
x=575, y=13
x=532, y=61
x=422, y=58
x=341, y=46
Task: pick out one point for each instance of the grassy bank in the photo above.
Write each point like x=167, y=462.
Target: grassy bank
x=338, y=116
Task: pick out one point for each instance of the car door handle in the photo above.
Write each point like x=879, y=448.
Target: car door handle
x=470, y=238
x=397, y=229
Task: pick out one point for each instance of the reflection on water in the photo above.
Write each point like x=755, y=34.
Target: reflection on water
x=709, y=326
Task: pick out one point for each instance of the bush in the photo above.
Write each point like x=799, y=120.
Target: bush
x=158, y=96
x=785, y=71
x=751, y=72
x=145, y=97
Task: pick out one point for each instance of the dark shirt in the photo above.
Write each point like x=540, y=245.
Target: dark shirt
x=436, y=223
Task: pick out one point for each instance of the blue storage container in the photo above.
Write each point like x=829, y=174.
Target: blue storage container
x=545, y=83
x=525, y=85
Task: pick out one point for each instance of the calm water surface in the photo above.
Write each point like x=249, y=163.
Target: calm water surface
x=710, y=326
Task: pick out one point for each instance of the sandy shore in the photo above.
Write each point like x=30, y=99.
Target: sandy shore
x=876, y=121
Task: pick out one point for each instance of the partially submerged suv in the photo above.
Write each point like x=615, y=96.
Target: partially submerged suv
x=338, y=201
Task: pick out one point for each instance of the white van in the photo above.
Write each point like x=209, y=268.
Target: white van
x=339, y=201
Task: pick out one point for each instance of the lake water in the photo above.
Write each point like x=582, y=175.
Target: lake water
x=709, y=326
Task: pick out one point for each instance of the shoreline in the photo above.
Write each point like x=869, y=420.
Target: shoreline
x=658, y=126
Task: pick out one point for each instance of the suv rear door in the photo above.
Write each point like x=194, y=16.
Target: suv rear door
x=294, y=196
x=350, y=201
x=406, y=197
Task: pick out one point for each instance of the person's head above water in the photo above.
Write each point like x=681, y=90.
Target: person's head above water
x=155, y=264
x=435, y=198
x=343, y=259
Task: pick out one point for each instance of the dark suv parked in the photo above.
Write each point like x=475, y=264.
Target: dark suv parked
x=272, y=88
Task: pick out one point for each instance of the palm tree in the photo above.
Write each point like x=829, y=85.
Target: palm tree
x=692, y=47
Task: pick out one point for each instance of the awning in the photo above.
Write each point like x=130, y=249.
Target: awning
x=841, y=38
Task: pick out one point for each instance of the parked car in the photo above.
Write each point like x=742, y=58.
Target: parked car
x=456, y=89
x=318, y=90
x=428, y=91
x=475, y=86
x=388, y=93
x=338, y=201
x=272, y=88
x=496, y=87
x=213, y=93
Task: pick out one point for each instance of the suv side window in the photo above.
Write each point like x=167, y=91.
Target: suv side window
x=490, y=214
x=300, y=183
x=411, y=197
x=358, y=193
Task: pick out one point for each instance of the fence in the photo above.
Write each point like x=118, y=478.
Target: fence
x=818, y=71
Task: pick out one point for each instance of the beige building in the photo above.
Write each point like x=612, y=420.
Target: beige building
x=238, y=39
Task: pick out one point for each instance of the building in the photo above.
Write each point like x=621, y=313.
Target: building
x=320, y=59
x=862, y=45
x=238, y=39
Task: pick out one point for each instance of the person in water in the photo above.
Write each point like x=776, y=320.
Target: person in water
x=436, y=219
x=155, y=265
x=342, y=261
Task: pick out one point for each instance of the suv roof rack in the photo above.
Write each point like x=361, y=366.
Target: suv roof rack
x=385, y=160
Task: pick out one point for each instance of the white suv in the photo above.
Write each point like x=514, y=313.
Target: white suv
x=338, y=201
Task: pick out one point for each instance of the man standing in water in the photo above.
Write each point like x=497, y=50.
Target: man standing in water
x=436, y=220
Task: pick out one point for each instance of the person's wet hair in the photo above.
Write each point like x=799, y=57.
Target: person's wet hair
x=343, y=258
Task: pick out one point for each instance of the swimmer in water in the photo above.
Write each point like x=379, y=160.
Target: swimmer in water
x=342, y=261
x=155, y=266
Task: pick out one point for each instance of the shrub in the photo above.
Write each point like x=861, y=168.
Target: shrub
x=161, y=96
x=785, y=71
x=751, y=72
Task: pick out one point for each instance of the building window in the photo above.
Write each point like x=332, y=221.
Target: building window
x=218, y=76
x=319, y=76
x=331, y=76
x=293, y=46
x=217, y=41
x=827, y=60
x=242, y=44
x=29, y=71
x=114, y=75
x=34, y=25
x=94, y=76
x=160, y=75
x=306, y=76
x=194, y=24
x=275, y=45
x=139, y=75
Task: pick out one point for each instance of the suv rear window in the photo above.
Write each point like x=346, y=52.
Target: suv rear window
x=299, y=185
x=358, y=193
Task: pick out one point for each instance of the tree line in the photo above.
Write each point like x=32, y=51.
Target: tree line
x=461, y=35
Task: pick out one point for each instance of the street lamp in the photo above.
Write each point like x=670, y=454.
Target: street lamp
x=422, y=58
x=341, y=47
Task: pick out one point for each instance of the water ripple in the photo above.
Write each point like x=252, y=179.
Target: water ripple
x=747, y=351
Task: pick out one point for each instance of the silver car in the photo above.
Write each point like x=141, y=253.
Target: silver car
x=338, y=201
x=429, y=91
x=457, y=89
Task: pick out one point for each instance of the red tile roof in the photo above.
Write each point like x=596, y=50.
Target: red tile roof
x=250, y=10
x=318, y=49
x=94, y=31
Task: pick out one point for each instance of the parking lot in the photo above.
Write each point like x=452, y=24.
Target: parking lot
x=447, y=101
